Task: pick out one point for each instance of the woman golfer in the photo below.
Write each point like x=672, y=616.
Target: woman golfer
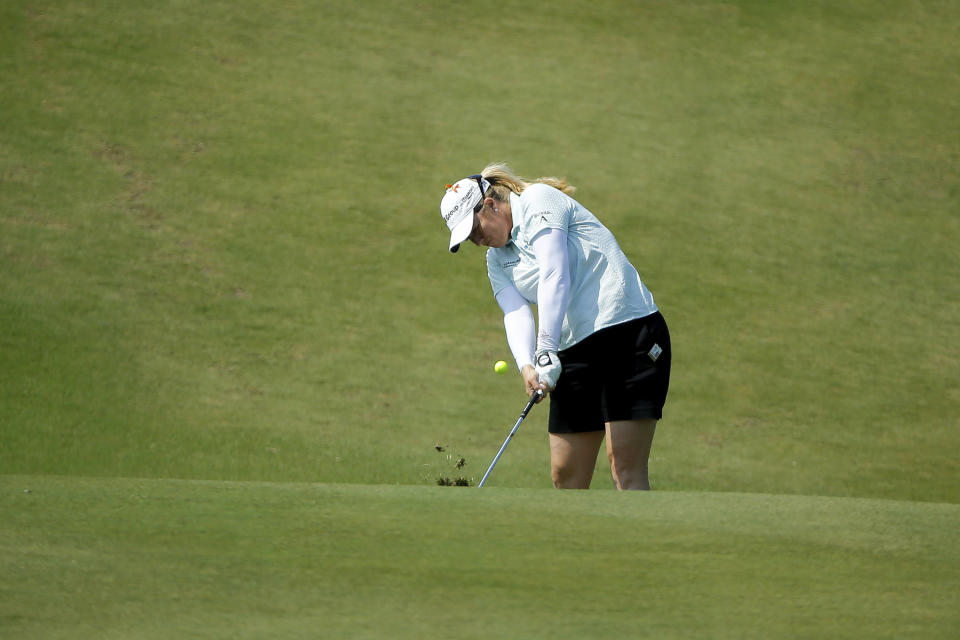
x=602, y=351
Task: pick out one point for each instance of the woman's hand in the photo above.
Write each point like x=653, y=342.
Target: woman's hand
x=532, y=381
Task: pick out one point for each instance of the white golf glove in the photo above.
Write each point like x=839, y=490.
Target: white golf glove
x=548, y=368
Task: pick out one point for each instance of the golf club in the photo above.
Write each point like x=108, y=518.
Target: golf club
x=526, y=410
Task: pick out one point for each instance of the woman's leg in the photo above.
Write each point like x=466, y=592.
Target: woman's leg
x=628, y=448
x=573, y=457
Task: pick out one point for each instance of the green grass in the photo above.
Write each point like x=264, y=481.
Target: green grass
x=222, y=258
x=160, y=559
x=231, y=335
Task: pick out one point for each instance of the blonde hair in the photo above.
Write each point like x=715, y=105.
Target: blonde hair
x=503, y=180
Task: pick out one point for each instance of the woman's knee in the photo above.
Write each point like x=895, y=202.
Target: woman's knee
x=632, y=476
x=628, y=450
x=573, y=457
x=567, y=477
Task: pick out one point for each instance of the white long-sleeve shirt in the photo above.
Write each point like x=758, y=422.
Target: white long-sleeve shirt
x=561, y=258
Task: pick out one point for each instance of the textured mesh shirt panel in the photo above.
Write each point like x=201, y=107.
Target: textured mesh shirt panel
x=605, y=289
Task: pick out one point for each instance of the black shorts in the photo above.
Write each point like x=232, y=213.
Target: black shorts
x=618, y=373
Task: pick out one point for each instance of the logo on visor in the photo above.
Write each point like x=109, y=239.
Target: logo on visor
x=463, y=201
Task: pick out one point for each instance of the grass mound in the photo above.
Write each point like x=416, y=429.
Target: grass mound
x=117, y=558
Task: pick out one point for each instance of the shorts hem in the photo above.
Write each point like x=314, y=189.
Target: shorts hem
x=637, y=415
x=569, y=431
x=646, y=414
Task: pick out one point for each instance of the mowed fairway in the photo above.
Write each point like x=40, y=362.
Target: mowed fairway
x=232, y=339
x=171, y=559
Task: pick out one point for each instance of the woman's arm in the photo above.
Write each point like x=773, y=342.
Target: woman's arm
x=553, y=291
x=519, y=325
x=550, y=249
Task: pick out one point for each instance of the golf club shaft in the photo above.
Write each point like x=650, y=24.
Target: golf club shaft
x=526, y=410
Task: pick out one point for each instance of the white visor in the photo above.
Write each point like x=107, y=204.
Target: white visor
x=457, y=207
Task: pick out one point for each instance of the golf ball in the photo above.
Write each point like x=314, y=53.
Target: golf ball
x=500, y=366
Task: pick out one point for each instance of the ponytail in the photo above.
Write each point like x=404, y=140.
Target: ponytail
x=503, y=180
